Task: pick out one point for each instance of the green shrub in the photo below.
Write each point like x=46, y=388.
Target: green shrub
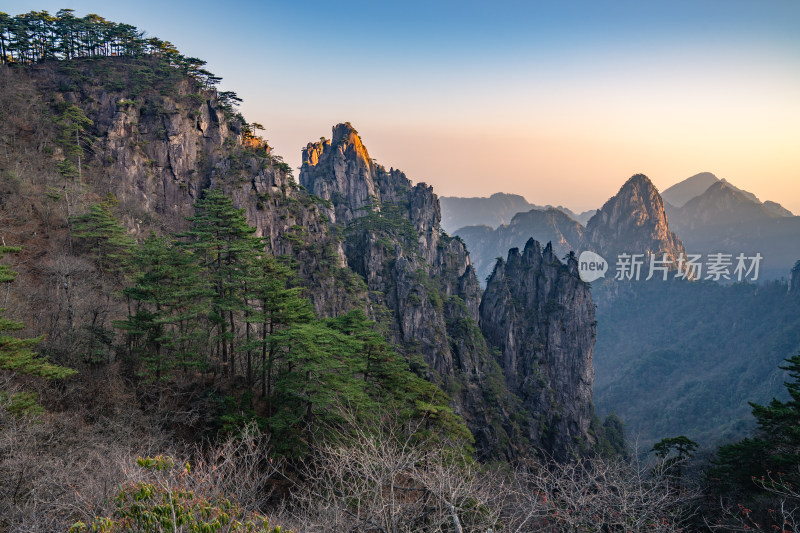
x=171, y=503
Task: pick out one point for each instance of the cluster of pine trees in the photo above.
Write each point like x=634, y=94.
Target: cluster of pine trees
x=210, y=303
x=39, y=36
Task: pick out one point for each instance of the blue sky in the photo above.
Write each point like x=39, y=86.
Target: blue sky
x=558, y=101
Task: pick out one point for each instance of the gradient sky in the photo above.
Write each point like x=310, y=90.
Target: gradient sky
x=558, y=101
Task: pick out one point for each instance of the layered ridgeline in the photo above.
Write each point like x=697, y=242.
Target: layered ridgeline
x=545, y=225
x=491, y=212
x=671, y=357
x=705, y=213
x=496, y=210
x=724, y=218
x=682, y=192
x=425, y=280
x=632, y=221
x=141, y=140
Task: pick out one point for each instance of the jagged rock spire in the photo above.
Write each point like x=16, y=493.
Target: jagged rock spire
x=540, y=316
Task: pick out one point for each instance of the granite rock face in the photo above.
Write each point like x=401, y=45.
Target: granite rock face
x=340, y=169
x=540, y=316
x=156, y=151
x=543, y=328
x=360, y=235
x=421, y=282
x=633, y=221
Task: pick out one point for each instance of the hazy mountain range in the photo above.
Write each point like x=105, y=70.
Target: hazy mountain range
x=680, y=193
x=676, y=357
x=496, y=210
x=724, y=218
x=707, y=214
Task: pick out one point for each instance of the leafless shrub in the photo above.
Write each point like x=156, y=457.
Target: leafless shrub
x=776, y=509
x=386, y=479
x=56, y=470
x=595, y=494
x=386, y=482
x=239, y=468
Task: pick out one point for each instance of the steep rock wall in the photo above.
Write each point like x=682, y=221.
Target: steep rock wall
x=540, y=315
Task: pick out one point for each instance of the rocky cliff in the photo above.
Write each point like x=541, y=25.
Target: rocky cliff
x=421, y=282
x=544, y=225
x=540, y=315
x=361, y=236
x=427, y=282
x=633, y=221
x=157, y=139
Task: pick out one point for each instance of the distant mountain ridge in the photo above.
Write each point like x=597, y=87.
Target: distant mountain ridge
x=726, y=219
x=545, y=225
x=706, y=213
x=494, y=211
x=660, y=359
x=681, y=193
x=633, y=221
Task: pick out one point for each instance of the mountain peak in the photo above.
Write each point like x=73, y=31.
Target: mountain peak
x=345, y=135
x=634, y=220
x=510, y=197
x=691, y=187
x=722, y=203
x=638, y=180
x=724, y=185
x=724, y=189
x=342, y=168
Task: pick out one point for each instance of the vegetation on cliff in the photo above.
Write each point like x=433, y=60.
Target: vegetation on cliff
x=244, y=346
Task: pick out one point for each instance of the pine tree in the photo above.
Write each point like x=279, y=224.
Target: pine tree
x=225, y=246
x=344, y=363
x=776, y=447
x=16, y=354
x=674, y=451
x=272, y=305
x=391, y=383
x=169, y=298
x=99, y=231
x=72, y=124
x=317, y=376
